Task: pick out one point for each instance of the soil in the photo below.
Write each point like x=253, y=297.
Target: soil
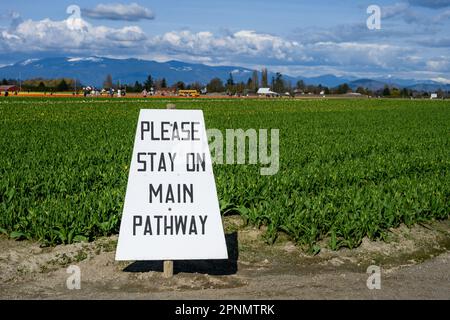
x=415, y=264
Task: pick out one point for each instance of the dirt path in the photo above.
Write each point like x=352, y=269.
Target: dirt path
x=415, y=264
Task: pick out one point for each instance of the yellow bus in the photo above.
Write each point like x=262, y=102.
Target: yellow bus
x=188, y=93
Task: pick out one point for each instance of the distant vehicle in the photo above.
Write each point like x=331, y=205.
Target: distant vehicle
x=433, y=96
x=188, y=93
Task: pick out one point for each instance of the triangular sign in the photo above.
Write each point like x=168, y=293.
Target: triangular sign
x=171, y=211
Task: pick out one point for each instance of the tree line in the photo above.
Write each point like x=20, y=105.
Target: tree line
x=216, y=85
x=45, y=85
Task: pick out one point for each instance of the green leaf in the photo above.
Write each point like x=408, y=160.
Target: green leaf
x=314, y=250
x=17, y=235
x=80, y=238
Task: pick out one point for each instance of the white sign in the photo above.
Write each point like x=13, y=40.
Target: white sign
x=171, y=211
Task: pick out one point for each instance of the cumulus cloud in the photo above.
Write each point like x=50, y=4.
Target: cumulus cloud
x=350, y=48
x=117, y=11
x=241, y=47
x=361, y=55
x=250, y=47
x=246, y=44
x=71, y=35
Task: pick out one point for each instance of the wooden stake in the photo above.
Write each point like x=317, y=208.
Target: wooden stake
x=168, y=269
x=168, y=264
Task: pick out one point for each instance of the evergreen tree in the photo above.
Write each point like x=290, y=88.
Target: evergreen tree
x=41, y=87
x=343, y=89
x=163, y=83
x=148, y=84
x=405, y=93
x=278, y=83
x=180, y=85
x=62, y=86
x=138, y=87
x=230, y=85
x=230, y=81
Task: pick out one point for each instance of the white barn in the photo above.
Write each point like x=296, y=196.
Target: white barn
x=266, y=92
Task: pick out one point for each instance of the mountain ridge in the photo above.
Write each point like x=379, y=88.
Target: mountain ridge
x=92, y=70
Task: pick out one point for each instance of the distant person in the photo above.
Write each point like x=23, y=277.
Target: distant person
x=144, y=93
x=6, y=93
x=111, y=92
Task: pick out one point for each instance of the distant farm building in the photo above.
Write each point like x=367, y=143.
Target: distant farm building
x=9, y=88
x=165, y=92
x=267, y=92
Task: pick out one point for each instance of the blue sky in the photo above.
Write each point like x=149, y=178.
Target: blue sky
x=295, y=37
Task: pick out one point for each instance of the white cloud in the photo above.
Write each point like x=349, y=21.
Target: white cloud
x=71, y=35
x=77, y=37
x=78, y=59
x=247, y=44
x=358, y=54
x=441, y=80
x=117, y=11
x=8, y=36
x=440, y=64
x=241, y=47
